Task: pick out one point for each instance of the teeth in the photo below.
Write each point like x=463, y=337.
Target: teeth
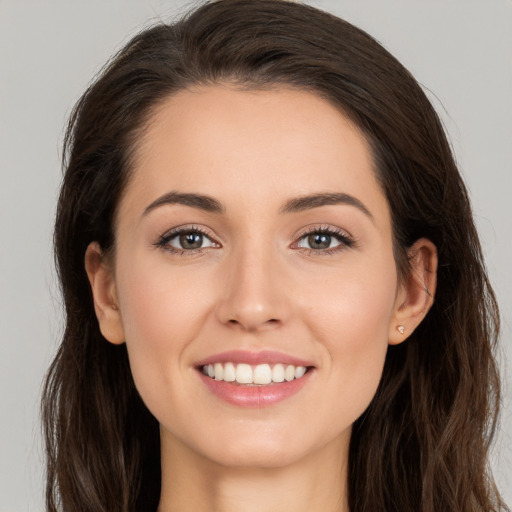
x=262, y=374
x=289, y=373
x=229, y=372
x=244, y=374
x=299, y=372
x=278, y=373
x=219, y=371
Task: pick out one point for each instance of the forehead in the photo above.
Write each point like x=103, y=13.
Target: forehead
x=252, y=146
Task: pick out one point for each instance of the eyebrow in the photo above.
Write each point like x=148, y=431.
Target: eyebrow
x=298, y=204
x=202, y=202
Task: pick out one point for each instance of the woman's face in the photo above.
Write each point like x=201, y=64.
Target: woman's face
x=253, y=237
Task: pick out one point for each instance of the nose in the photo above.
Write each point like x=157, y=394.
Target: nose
x=254, y=292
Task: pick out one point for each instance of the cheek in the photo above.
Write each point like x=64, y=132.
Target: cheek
x=351, y=325
x=162, y=315
x=159, y=301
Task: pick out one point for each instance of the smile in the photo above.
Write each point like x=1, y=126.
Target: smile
x=254, y=379
x=246, y=374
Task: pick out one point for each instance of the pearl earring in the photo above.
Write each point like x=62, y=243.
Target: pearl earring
x=401, y=329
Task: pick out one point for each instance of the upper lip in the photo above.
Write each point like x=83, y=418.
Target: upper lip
x=254, y=358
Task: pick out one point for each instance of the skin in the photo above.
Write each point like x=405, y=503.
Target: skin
x=256, y=285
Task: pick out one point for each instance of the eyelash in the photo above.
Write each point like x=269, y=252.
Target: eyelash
x=163, y=242
x=345, y=241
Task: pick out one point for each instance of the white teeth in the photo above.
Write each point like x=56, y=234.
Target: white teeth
x=299, y=372
x=244, y=374
x=229, y=372
x=278, y=373
x=262, y=374
x=289, y=373
x=219, y=371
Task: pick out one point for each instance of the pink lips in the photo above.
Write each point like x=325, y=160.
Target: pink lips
x=253, y=396
x=242, y=356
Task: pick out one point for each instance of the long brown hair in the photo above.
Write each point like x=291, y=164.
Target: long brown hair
x=423, y=442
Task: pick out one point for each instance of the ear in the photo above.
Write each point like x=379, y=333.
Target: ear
x=101, y=279
x=415, y=294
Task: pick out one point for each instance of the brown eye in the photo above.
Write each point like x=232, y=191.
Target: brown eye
x=191, y=240
x=319, y=241
x=188, y=241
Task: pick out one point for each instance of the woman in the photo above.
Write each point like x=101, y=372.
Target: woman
x=259, y=208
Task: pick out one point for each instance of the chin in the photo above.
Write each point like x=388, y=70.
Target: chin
x=266, y=456
x=268, y=449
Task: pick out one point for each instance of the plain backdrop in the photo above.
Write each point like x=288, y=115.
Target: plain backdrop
x=460, y=50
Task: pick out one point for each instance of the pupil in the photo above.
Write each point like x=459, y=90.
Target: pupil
x=319, y=241
x=191, y=240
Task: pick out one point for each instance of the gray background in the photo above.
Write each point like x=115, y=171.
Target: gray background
x=460, y=50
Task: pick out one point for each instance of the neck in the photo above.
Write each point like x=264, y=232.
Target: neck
x=192, y=483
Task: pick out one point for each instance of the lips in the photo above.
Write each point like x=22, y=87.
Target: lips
x=251, y=379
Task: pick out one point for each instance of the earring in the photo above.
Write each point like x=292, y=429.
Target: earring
x=401, y=329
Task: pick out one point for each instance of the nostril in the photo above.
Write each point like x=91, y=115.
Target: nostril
x=253, y=325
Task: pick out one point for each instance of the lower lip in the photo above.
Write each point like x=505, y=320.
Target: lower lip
x=254, y=396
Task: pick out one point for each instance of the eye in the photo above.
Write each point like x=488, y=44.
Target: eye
x=183, y=240
x=324, y=240
x=190, y=240
x=318, y=241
